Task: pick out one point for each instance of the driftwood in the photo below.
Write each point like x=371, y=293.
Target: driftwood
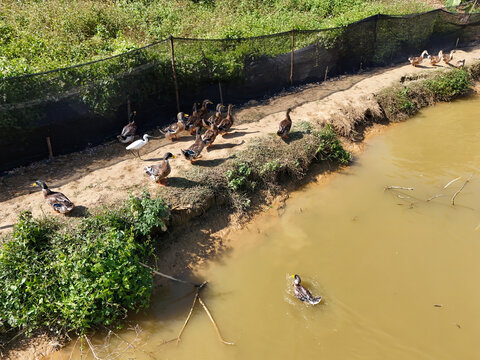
x=191, y=310
x=398, y=187
x=214, y=323
x=130, y=344
x=451, y=182
x=458, y=191
x=91, y=348
x=168, y=276
x=71, y=354
x=434, y=197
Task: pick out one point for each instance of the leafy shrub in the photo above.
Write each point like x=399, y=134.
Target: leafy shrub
x=76, y=281
x=449, y=85
x=240, y=177
x=330, y=148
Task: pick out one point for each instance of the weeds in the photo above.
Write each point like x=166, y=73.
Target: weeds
x=78, y=280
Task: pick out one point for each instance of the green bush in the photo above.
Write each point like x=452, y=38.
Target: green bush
x=330, y=148
x=240, y=177
x=78, y=280
x=449, y=85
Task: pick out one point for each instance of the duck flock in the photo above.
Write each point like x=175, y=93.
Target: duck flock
x=206, y=129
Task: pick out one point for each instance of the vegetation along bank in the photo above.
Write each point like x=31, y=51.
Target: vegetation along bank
x=69, y=275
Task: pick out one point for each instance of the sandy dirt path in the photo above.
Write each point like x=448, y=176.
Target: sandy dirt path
x=105, y=174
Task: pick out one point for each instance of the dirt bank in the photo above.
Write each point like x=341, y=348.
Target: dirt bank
x=104, y=175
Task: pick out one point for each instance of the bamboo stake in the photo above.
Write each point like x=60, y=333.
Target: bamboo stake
x=220, y=91
x=291, y=57
x=458, y=192
x=168, y=276
x=49, y=144
x=451, y=182
x=213, y=322
x=326, y=73
x=398, y=187
x=191, y=310
x=172, y=52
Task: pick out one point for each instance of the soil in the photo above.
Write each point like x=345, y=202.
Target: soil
x=103, y=175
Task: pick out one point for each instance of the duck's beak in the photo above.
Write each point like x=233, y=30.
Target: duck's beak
x=293, y=276
x=173, y=156
x=35, y=183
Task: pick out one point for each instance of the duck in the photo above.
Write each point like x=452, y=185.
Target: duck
x=193, y=152
x=128, y=131
x=217, y=118
x=434, y=60
x=303, y=294
x=58, y=201
x=210, y=135
x=226, y=123
x=174, y=129
x=460, y=64
x=193, y=121
x=448, y=57
x=285, y=125
x=159, y=173
x=203, y=112
x=416, y=60
x=138, y=144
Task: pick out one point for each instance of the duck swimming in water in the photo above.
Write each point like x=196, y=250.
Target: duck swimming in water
x=303, y=294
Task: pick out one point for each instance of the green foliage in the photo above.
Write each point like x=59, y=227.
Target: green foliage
x=449, y=85
x=78, y=280
x=240, y=177
x=270, y=167
x=330, y=148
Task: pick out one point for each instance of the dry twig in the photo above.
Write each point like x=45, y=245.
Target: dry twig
x=398, y=187
x=465, y=183
x=130, y=344
x=191, y=310
x=71, y=354
x=213, y=322
x=168, y=276
x=434, y=197
x=451, y=182
x=91, y=348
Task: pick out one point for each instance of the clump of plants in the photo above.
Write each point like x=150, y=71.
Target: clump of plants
x=330, y=148
x=88, y=277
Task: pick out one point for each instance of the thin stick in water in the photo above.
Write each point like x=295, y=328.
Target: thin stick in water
x=191, y=310
x=71, y=354
x=434, y=197
x=91, y=348
x=168, y=276
x=458, y=192
x=213, y=322
x=398, y=187
x=129, y=344
x=451, y=182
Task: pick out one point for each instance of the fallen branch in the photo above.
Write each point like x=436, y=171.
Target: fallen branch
x=213, y=322
x=129, y=344
x=168, y=276
x=434, y=197
x=451, y=182
x=458, y=192
x=91, y=348
x=191, y=310
x=398, y=187
x=71, y=354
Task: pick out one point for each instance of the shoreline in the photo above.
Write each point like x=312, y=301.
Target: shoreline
x=216, y=220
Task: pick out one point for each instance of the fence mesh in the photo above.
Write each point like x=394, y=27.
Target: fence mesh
x=87, y=104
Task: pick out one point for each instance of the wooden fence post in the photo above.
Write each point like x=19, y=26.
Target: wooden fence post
x=291, y=56
x=50, y=152
x=220, y=91
x=174, y=73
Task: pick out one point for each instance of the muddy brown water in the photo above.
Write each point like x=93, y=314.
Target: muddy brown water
x=398, y=274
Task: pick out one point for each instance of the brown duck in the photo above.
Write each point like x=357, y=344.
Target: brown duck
x=285, y=126
x=193, y=152
x=58, y=201
x=129, y=130
x=176, y=128
x=159, y=172
x=226, y=124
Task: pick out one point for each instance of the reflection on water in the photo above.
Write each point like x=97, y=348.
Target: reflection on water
x=398, y=275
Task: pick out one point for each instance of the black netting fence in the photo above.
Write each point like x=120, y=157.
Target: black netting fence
x=87, y=104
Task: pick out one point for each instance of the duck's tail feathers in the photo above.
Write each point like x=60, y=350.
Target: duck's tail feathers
x=315, y=300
